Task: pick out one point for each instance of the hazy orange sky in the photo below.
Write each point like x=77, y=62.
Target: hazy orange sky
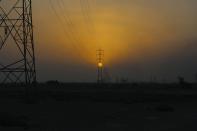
x=141, y=38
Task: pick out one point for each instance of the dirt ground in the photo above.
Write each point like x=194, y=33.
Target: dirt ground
x=89, y=115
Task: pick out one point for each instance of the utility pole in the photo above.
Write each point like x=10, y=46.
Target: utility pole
x=100, y=65
x=16, y=29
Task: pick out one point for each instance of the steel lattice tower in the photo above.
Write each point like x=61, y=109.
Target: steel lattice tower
x=16, y=29
x=100, y=55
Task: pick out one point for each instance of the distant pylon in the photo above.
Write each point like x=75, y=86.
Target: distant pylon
x=100, y=65
x=16, y=30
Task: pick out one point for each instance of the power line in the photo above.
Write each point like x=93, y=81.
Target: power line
x=60, y=20
x=86, y=11
x=74, y=33
x=62, y=24
x=69, y=35
x=68, y=21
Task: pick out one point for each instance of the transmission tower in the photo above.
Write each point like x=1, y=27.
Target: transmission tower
x=100, y=66
x=16, y=30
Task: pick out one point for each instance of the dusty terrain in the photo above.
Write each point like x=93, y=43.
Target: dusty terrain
x=98, y=110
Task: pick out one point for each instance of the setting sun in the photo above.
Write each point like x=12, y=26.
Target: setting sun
x=137, y=36
x=100, y=64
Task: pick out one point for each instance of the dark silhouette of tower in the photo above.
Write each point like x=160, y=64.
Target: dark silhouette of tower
x=16, y=30
x=100, y=66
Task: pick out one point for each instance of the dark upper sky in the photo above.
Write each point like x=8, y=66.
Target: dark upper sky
x=141, y=38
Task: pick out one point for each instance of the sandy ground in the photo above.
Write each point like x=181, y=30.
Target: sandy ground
x=59, y=113
x=97, y=116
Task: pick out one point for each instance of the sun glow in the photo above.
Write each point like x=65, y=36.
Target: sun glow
x=100, y=65
x=128, y=32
